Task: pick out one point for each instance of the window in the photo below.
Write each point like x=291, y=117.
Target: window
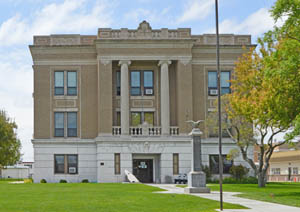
x=135, y=83
x=58, y=83
x=214, y=164
x=117, y=163
x=137, y=118
x=275, y=170
x=59, y=124
x=175, y=163
x=118, y=74
x=61, y=85
x=70, y=122
x=66, y=164
x=118, y=119
x=59, y=164
x=213, y=82
x=149, y=118
x=295, y=170
x=72, y=83
x=148, y=82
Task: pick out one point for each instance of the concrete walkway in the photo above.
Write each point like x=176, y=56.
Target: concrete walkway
x=254, y=205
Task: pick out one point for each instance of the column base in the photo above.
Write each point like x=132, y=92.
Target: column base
x=191, y=190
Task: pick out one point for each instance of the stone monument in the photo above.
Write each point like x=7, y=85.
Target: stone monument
x=196, y=178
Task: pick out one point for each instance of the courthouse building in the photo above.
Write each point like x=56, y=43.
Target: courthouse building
x=119, y=100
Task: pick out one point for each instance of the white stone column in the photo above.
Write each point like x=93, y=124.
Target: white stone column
x=164, y=97
x=124, y=104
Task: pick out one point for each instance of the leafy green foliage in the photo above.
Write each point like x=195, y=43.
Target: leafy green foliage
x=43, y=181
x=238, y=172
x=10, y=145
x=62, y=181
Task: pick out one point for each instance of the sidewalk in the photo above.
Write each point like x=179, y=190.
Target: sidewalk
x=254, y=205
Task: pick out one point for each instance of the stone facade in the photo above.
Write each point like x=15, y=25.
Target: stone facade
x=180, y=63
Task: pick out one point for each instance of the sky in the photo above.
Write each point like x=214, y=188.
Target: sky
x=21, y=19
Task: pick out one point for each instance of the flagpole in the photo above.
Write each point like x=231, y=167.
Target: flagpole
x=219, y=108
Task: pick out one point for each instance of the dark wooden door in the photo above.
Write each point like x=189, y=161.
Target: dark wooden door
x=143, y=170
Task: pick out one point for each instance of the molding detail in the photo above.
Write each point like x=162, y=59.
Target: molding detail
x=127, y=62
x=146, y=147
x=162, y=62
x=185, y=62
x=105, y=61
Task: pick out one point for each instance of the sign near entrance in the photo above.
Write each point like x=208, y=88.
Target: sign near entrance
x=143, y=165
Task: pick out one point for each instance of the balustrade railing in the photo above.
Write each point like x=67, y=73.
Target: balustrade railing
x=145, y=131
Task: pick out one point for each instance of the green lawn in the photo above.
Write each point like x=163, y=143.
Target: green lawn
x=282, y=193
x=97, y=197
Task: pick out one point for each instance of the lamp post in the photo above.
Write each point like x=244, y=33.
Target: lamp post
x=219, y=107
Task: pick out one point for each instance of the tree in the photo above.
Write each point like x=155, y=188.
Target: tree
x=10, y=145
x=266, y=88
x=236, y=127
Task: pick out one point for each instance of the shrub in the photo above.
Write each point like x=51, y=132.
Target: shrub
x=29, y=180
x=85, y=181
x=62, y=181
x=207, y=171
x=231, y=180
x=238, y=172
x=43, y=181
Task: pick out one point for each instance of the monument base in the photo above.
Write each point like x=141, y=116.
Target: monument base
x=196, y=183
x=190, y=190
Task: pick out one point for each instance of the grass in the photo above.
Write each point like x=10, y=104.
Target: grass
x=282, y=193
x=91, y=197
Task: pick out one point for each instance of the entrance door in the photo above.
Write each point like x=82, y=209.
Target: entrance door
x=143, y=170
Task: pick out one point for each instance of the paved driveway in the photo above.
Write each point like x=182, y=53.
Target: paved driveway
x=254, y=205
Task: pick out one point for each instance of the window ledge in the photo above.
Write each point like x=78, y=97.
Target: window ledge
x=142, y=97
x=65, y=97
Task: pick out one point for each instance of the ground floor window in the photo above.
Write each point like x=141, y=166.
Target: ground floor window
x=117, y=163
x=275, y=170
x=175, y=163
x=214, y=164
x=65, y=164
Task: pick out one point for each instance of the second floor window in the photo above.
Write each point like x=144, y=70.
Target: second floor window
x=138, y=118
x=59, y=124
x=213, y=83
x=70, y=122
x=65, y=87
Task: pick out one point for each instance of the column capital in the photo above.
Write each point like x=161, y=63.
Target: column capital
x=161, y=62
x=127, y=62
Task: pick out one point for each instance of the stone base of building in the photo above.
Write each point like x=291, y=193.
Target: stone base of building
x=191, y=190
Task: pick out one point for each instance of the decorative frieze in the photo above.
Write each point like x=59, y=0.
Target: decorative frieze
x=65, y=103
x=144, y=31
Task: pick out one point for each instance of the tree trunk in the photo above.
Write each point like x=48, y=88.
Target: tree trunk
x=261, y=180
